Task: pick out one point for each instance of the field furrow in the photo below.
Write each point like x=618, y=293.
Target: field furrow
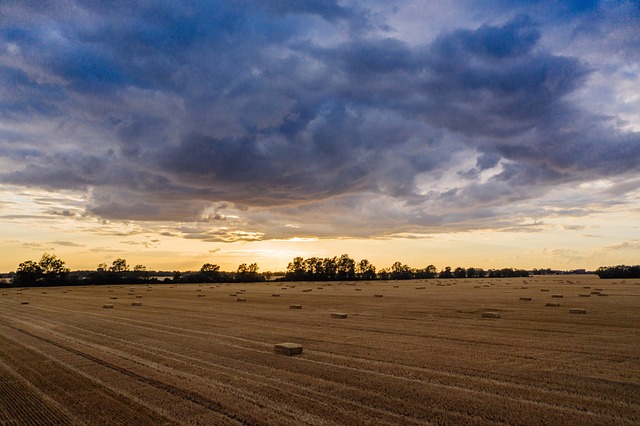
x=415, y=356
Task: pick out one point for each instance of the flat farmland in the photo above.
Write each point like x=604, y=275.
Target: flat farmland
x=408, y=352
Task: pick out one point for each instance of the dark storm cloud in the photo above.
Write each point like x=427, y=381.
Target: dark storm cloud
x=161, y=109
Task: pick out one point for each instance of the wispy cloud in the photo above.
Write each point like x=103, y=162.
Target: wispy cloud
x=626, y=245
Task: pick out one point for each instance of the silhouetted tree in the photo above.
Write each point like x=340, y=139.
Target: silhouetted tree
x=48, y=271
x=140, y=271
x=460, y=272
x=119, y=265
x=620, y=271
x=446, y=273
x=346, y=268
x=295, y=269
x=400, y=271
x=28, y=273
x=366, y=271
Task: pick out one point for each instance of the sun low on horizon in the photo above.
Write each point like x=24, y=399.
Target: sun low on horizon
x=174, y=134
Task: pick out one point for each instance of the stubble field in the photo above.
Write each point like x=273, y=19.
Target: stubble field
x=420, y=352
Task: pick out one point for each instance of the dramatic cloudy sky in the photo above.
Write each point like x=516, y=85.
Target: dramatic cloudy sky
x=463, y=133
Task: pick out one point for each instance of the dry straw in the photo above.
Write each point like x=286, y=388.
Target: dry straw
x=288, y=349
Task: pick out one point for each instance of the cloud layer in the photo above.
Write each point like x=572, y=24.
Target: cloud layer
x=274, y=119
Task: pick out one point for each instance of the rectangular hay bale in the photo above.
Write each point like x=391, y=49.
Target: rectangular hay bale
x=288, y=349
x=577, y=311
x=339, y=315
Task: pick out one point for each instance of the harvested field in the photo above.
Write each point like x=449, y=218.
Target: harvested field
x=413, y=357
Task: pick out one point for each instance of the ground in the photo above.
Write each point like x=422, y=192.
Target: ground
x=420, y=354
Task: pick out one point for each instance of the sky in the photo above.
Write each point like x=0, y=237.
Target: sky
x=455, y=133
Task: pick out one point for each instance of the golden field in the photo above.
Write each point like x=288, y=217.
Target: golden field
x=419, y=353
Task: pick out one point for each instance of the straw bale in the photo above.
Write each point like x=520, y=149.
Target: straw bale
x=288, y=349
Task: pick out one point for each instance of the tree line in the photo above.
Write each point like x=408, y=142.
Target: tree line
x=50, y=270
x=620, y=271
x=345, y=268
